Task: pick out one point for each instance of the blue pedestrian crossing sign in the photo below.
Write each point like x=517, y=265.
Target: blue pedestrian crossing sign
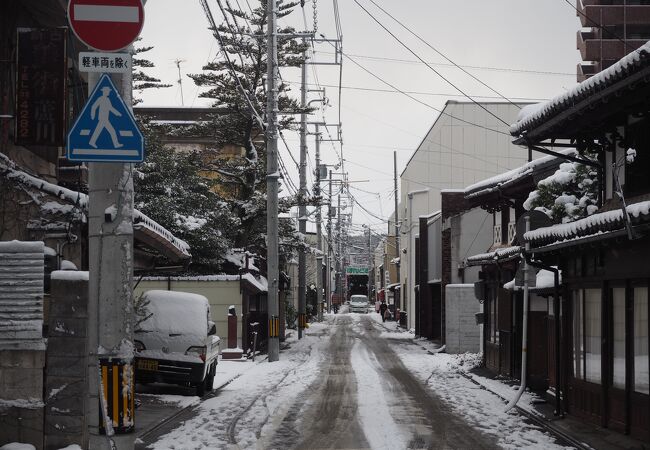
x=105, y=129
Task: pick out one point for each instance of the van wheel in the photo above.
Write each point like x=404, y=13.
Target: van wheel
x=200, y=388
x=209, y=378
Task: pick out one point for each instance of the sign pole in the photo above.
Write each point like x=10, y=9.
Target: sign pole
x=110, y=239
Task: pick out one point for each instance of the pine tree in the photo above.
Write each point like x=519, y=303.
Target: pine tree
x=571, y=193
x=236, y=85
x=141, y=80
x=170, y=189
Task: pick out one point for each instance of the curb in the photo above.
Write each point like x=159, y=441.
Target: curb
x=559, y=434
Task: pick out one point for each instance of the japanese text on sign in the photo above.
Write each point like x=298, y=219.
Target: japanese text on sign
x=104, y=62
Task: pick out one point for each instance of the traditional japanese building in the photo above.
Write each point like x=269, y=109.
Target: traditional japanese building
x=604, y=313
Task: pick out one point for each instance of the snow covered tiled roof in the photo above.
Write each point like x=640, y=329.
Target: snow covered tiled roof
x=10, y=170
x=533, y=115
x=589, y=226
x=499, y=181
x=498, y=255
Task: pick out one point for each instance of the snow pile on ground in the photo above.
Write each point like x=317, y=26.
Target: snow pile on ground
x=259, y=398
x=446, y=376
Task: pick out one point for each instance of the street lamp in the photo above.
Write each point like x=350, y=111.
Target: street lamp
x=410, y=288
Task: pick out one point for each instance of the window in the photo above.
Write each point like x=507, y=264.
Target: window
x=578, y=335
x=592, y=335
x=587, y=348
x=641, y=340
x=618, y=333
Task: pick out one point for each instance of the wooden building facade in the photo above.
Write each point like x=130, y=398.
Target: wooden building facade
x=604, y=313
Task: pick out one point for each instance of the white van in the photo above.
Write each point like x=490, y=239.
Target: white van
x=359, y=303
x=176, y=340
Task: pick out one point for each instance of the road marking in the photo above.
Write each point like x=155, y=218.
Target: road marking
x=101, y=13
x=126, y=133
x=84, y=132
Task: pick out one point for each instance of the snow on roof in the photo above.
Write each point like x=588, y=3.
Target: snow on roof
x=70, y=275
x=260, y=283
x=533, y=115
x=498, y=255
x=140, y=220
x=498, y=181
x=591, y=225
x=22, y=247
x=544, y=280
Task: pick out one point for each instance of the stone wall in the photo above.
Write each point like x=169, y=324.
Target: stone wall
x=65, y=384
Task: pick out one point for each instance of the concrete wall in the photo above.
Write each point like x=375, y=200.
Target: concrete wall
x=471, y=233
x=462, y=333
x=220, y=294
x=453, y=155
x=22, y=349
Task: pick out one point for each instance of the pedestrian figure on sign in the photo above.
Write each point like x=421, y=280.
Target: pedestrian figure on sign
x=103, y=107
x=382, y=310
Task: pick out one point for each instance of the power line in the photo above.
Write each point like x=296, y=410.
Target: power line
x=417, y=36
x=601, y=26
x=374, y=75
x=490, y=68
x=394, y=91
x=429, y=66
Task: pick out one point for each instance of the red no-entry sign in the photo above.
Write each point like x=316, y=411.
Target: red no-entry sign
x=106, y=25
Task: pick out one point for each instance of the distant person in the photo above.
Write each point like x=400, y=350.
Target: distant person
x=382, y=310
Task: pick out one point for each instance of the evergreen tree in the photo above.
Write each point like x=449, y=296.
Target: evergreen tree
x=236, y=84
x=170, y=189
x=571, y=193
x=141, y=80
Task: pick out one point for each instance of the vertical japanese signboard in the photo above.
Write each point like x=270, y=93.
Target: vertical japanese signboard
x=41, y=73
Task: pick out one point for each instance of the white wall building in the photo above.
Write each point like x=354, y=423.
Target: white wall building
x=465, y=144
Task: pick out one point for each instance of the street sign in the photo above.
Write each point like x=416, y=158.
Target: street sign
x=105, y=129
x=104, y=62
x=106, y=25
x=356, y=270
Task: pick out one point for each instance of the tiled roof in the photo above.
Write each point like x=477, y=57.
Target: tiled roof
x=589, y=226
x=532, y=116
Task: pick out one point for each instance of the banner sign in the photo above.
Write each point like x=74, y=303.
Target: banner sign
x=41, y=75
x=356, y=270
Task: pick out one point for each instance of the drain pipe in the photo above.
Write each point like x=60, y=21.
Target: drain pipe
x=524, y=328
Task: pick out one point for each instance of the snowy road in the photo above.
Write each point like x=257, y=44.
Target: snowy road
x=351, y=384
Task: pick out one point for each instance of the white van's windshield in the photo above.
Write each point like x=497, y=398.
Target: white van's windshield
x=358, y=299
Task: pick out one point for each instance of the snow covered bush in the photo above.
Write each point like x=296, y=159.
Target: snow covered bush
x=571, y=193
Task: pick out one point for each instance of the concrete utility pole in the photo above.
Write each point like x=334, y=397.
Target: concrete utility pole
x=328, y=261
x=302, y=198
x=398, y=255
x=369, y=263
x=319, y=238
x=339, y=255
x=272, y=176
x=110, y=306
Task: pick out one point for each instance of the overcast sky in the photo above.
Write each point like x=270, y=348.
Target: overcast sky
x=525, y=49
